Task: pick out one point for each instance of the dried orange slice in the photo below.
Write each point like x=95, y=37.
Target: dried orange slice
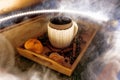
x=56, y=57
x=34, y=45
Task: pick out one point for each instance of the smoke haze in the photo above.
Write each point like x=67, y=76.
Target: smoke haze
x=103, y=59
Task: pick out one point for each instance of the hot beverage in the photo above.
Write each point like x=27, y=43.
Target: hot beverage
x=60, y=22
x=61, y=31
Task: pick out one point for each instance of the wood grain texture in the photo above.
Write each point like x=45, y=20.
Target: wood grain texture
x=44, y=61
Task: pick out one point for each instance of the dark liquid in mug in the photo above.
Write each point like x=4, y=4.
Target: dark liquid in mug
x=60, y=20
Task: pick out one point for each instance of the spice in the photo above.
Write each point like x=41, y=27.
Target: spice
x=66, y=50
x=74, y=49
x=52, y=48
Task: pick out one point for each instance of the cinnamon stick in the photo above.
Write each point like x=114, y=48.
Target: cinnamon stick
x=66, y=50
x=74, y=49
x=53, y=49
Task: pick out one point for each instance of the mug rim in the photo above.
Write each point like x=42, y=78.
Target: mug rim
x=63, y=20
x=67, y=22
x=60, y=27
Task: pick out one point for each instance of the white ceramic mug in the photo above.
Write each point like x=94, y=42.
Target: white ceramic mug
x=61, y=35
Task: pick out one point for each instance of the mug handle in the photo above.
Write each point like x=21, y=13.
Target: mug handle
x=75, y=28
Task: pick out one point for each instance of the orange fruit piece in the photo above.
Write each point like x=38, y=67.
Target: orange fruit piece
x=34, y=45
x=56, y=57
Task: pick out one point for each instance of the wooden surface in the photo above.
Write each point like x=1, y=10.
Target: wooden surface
x=41, y=59
x=37, y=27
x=44, y=61
x=19, y=33
x=11, y=5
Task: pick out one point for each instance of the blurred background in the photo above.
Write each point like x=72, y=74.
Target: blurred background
x=101, y=60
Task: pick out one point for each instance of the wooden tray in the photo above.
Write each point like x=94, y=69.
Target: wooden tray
x=37, y=27
x=52, y=64
x=41, y=59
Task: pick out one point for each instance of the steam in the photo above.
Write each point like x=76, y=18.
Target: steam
x=106, y=66
x=97, y=10
x=6, y=54
x=91, y=15
x=85, y=8
x=102, y=6
x=7, y=59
